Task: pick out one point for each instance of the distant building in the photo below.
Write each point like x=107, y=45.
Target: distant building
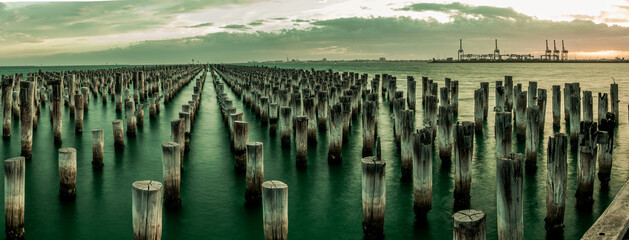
x=382, y=59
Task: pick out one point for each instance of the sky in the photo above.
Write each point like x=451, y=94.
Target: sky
x=173, y=31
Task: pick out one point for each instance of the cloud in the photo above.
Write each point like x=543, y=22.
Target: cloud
x=458, y=9
x=256, y=23
x=207, y=24
x=236, y=27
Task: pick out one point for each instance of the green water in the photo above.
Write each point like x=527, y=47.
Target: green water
x=324, y=201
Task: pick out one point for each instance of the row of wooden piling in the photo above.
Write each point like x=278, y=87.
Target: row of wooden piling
x=29, y=104
x=264, y=89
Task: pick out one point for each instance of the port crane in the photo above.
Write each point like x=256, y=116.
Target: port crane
x=461, y=53
x=564, y=52
x=555, y=51
x=547, y=54
x=497, y=52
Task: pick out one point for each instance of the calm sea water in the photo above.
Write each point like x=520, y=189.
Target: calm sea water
x=324, y=201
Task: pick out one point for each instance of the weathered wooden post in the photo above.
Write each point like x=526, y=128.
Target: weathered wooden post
x=139, y=116
x=602, y=106
x=369, y=127
x=556, y=106
x=407, y=128
x=541, y=104
x=556, y=181
x=255, y=172
x=311, y=113
x=7, y=105
x=613, y=92
x=520, y=115
x=264, y=111
x=98, y=148
x=273, y=116
x=178, y=135
x=57, y=117
x=509, y=186
x=26, y=121
x=469, y=224
x=485, y=87
x=335, y=137
x=287, y=129
x=411, y=88
x=422, y=172
x=301, y=140
x=86, y=98
x=322, y=110
x=478, y=110
x=118, y=134
x=463, y=149
x=241, y=137
x=146, y=208
x=78, y=113
x=130, y=118
x=445, y=134
x=588, y=112
x=532, y=138
x=508, y=85
x=16, y=102
x=567, y=94
x=444, y=96
x=275, y=210
x=374, y=196
x=454, y=98
x=430, y=114
x=575, y=120
x=171, y=166
x=67, y=172
x=14, y=175
x=118, y=90
x=71, y=93
x=186, y=119
x=587, y=163
x=532, y=94
x=606, y=142
x=503, y=131
x=500, y=98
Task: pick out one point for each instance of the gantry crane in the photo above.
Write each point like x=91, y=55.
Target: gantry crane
x=564, y=52
x=497, y=52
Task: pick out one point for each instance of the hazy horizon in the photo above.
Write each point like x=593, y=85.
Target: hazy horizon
x=237, y=31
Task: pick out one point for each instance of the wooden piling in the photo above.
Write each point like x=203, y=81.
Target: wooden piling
x=614, y=101
x=286, y=128
x=7, y=105
x=374, y=196
x=532, y=138
x=508, y=86
x=264, y=111
x=27, y=109
x=118, y=134
x=311, y=113
x=146, y=208
x=57, y=108
x=369, y=127
x=171, y=166
x=273, y=116
x=301, y=140
x=503, y=131
x=469, y=224
x=478, y=110
x=602, y=106
x=430, y=114
x=532, y=94
x=556, y=181
x=575, y=120
x=255, y=172
x=14, y=191
x=78, y=113
x=509, y=186
x=322, y=110
x=335, y=136
x=567, y=94
x=422, y=172
x=520, y=115
x=454, y=98
x=606, y=148
x=178, y=132
x=556, y=106
x=275, y=210
x=541, y=104
x=67, y=172
x=130, y=118
x=241, y=137
x=118, y=90
x=186, y=118
x=98, y=148
x=445, y=123
x=588, y=112
x=463, y=149
x=587, y=162
x=139, y=116
x=500, y=98
x=485, y=87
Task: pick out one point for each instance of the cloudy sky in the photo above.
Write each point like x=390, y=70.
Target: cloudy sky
x=174, y=31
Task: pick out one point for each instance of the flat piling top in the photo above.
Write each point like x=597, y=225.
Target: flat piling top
x=614, y=222
x=254, y=144
x=468, y=215
x=372, y=160
x=67, y=150
x=274, y=184
x=147, y=185
x=169, y=144
x=14, y=160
